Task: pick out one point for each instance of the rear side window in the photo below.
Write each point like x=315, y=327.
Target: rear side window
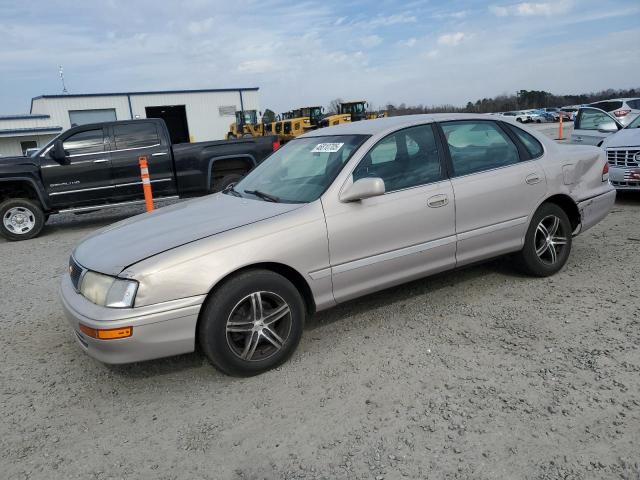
x=608, y=106
x=533, y=146
x=476, y=146
x=135, y=135
x=89, y=141
x=635, y=104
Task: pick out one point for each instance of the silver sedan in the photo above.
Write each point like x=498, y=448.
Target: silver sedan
x=335, y=214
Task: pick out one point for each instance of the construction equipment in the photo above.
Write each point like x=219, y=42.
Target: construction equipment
x=351, y=112
x=246, y=125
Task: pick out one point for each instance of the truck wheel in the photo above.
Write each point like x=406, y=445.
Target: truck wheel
x=21, y=219
x=231, y=136
x=227, y=180
x=252, y=323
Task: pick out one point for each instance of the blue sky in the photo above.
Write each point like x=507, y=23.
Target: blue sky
x=416, y=51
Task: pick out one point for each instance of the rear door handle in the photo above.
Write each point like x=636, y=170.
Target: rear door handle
x=577, y=139
x=533, y=179
x=439, y=200
x=101, y=160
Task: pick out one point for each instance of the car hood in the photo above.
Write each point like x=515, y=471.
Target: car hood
x=15, y=161
x=114, y=248
x=627, y=137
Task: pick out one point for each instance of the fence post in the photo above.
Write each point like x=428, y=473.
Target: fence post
x=146, y=183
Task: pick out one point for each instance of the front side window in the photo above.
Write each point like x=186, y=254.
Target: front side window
x=404, y=159
x=135, y=135
x=89, y=141
x=301, y=170
x=476, y=146
x=591, y=119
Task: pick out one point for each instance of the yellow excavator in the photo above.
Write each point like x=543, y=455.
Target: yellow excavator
x=351, y=112
x=246, y=125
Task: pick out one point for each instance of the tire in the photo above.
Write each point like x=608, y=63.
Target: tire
x=251, y=348
x=247, y=135
x=20, y=219
x=231, y=136
x=540, y=256
x=519, y=120
x=227, y=180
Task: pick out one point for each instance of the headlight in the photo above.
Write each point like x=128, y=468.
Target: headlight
x=108, y=291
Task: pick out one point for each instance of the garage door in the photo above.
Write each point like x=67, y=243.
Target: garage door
x=82, y=117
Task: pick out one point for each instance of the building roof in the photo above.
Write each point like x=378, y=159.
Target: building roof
x=13, y=131
x=157, y=92
x=24, y=116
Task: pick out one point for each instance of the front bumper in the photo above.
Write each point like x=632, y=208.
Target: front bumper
x=625, y=178
x=595, y=208
x=159, y=330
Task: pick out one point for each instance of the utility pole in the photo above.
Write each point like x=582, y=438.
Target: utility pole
x=61, y=72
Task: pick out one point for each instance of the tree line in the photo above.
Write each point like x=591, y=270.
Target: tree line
x=521, y=100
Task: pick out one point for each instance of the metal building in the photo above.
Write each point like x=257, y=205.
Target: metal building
x=191, y=115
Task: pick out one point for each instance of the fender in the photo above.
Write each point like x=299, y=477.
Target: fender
x=37, y=186
x=245, y=156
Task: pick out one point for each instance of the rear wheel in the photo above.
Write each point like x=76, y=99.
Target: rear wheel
x=548, y=242
x=21, y=219
x=252, y=323
x=231, y=136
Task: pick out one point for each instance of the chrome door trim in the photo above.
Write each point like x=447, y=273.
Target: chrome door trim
x=140, y=182
x=109, y=186
x=491, y=228
x=158, y=154
x=382, y=257
x=111, y=205
x=320, y=274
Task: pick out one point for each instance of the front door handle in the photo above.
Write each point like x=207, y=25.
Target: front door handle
x=439, y=200
x=101, y=160
x=577, y=139
x=533, y=179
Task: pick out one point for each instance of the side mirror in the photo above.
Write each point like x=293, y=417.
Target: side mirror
x=363, y=188
x=608, y=127
x=57, y=153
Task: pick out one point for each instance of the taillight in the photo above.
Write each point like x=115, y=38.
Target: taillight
x=605, y=172
x=621, y=113
x=276, y=145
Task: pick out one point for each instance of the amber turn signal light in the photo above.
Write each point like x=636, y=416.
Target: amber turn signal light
x=107, y=333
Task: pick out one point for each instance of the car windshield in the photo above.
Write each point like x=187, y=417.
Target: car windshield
x=301, y=170
x=635, y=123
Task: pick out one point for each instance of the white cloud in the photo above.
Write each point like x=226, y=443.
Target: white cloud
x=371, y=41
x=452, y=39
x=399, y=18
x=257, y=66
x=451, y=15
x=201, y=26
x=340, y=21
x=527, y=9
x=410, y=42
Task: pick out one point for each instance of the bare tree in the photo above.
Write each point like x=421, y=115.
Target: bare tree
x=334, y=106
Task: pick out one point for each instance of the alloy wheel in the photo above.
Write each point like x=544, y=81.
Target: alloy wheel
x=19, y=220
x=258, y=326
x=550, y=239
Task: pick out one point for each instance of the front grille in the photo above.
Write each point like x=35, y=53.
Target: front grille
x=622, y=158
x=75, y=271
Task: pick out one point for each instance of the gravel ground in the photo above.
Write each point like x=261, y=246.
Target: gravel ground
x=478, y=374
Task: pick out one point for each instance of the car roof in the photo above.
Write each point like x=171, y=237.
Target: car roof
x=380, y=125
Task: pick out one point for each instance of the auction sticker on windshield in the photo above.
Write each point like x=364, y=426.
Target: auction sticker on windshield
x=327, y=147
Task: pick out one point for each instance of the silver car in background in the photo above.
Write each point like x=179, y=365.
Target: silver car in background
x=335, y=214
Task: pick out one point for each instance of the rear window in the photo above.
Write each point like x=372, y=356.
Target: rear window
x=608, y=106
x=135, y=135
x=533, y=146
x=635, y=104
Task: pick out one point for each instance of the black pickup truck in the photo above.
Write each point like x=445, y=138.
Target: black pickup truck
x=95, y=166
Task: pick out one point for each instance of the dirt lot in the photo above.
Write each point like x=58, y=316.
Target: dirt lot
x=480, y=374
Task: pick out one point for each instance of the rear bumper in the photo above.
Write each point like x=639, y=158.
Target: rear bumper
x=596, y=208
x=160, y=330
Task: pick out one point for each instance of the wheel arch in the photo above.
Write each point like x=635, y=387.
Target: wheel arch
x=18, y=186
x=286, y=271
x=229, y=163
x=569, y=206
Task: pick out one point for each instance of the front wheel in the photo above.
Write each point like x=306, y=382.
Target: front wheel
x=22, y=219
x=548, y=242
x=252, y=323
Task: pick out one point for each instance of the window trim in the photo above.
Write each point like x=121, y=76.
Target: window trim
x=527, y=155
x=441, y=159
x=112, y=135
x=105, y=142
x=447, y=152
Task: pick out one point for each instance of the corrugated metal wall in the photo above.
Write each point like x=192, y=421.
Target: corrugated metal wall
x=58, y=108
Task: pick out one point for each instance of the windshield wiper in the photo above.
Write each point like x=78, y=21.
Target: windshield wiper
x=232, y=191
x=263, y=195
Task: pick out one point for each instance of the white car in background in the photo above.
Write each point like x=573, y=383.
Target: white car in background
x=625, y=110
x=622, y=144
x=519, y=115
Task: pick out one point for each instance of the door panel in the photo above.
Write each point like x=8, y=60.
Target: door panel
x=130, y=141
x=408, y=232
x=495, y=192
x=586, y=126
x=86, y=178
